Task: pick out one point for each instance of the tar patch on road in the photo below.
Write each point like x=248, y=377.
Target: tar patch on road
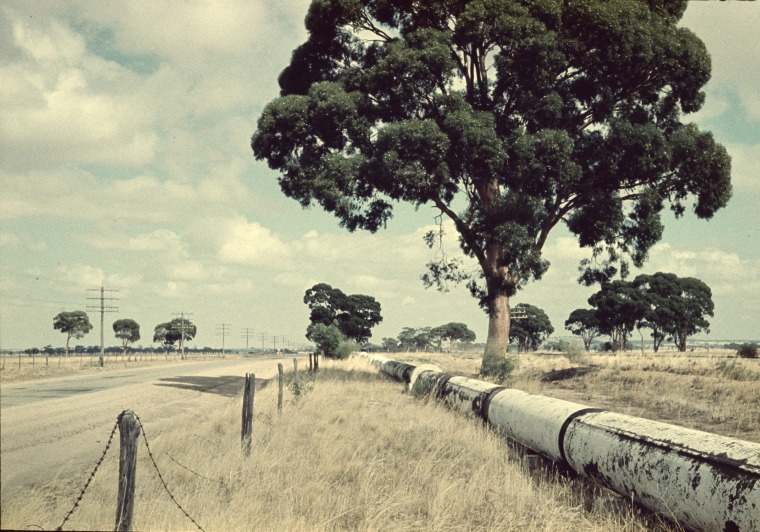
x=226, y=385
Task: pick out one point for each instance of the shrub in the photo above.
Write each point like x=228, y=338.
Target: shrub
x=747, y=351
x=498, y=367
x=574, y=352
x=344, y=349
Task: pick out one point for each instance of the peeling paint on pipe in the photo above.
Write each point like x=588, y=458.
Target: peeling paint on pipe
x=703, y=481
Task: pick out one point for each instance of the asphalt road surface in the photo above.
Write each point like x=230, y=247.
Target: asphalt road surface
x=65, y=421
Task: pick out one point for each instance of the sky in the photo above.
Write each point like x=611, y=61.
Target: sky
x=125, y=163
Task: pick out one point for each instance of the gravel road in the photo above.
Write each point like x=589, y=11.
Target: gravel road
x=47, y=424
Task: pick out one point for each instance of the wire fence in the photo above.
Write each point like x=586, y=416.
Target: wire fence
x=152, y=461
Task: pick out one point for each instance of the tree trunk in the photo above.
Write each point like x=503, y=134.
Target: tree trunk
x=497, y=343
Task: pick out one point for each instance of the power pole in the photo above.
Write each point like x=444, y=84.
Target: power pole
x=222, y=329
x=103, y=309
x=247, y=333
x=182, y=328
x=263, y=338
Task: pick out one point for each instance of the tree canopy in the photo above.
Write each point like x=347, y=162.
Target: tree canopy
x=508, y=117
x=584, y=323
x=177, y=330
x=531, y=329
x=327, y=338
x=454, y=332
x=353, y=315
x=672, y=307
x=75, y=323
x=128, y=331
x=676, y=306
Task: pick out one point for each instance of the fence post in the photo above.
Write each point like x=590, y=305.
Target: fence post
x=247, y=429
x=316, y=361
x=129, y=431
x=279, y=391
x=295, y=371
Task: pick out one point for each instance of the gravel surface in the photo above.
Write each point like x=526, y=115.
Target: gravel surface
x=65, y=421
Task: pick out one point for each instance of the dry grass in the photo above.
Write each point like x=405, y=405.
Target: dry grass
x=701, y=390
x=355, y=452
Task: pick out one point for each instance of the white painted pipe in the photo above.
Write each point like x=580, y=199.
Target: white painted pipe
x=701, y=480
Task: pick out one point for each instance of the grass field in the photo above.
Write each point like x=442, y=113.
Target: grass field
x=702, y=390
x=354, y=451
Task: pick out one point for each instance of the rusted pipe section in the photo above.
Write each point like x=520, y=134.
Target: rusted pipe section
x=701, y=480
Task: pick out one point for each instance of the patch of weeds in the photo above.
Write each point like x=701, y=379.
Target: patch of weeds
x=302, y=386
x=737, y=373
x=498, y=367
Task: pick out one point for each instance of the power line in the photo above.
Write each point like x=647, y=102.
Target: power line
x=247, y=333
x=103, y=309
x=182, y=327
x=222, y=329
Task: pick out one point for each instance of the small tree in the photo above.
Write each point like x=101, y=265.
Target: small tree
x=677, y=306
x=620, y=307
x=74, y=324
x=454, y=332
x=747, y=351
x=328, y=339
x=390, y=344
x=531, y=330
x=128, y=331
x=354, y=315
x=584, y=323
x=406, y=338
x=178, y=330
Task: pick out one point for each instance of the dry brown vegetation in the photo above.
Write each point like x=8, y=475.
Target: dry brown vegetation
x=710, y=391
x=353, y=452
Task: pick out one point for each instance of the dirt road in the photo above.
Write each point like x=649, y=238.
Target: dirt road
x=65, y=421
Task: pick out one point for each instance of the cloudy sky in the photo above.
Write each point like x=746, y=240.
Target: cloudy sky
x=125, y=162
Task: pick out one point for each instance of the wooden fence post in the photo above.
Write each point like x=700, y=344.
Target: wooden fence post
x=247, y=428
x=316, y=361
x=279, y=392
x=129, y=431
x=295, y=371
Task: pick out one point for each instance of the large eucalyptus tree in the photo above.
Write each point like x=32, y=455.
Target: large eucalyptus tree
x=507, y=116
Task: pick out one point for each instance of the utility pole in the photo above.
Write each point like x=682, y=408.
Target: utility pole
x=263, y=338
x=222, y=329
x=103, y=309
x=247, y=332
x=182, y=328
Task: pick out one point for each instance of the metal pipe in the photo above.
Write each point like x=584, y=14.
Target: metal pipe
x=702, y=481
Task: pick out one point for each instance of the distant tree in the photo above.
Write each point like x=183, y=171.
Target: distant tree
x=128, y=331
x=619, y=308
x=746, y=350
x=584, y=323
x=391, y=345
x=354, y=315
x=531, y=330
x=73, y=324
x=178, y=330
x=328, y=339
x=422, y=339
x=406, y=338
x=677, y=306
x=454, y=332
x=508, y=118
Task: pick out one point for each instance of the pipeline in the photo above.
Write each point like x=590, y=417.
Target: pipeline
x=700, y=480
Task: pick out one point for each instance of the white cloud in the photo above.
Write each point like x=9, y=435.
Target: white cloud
x=160, y=240
x=250, y=243
x=735, y=61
